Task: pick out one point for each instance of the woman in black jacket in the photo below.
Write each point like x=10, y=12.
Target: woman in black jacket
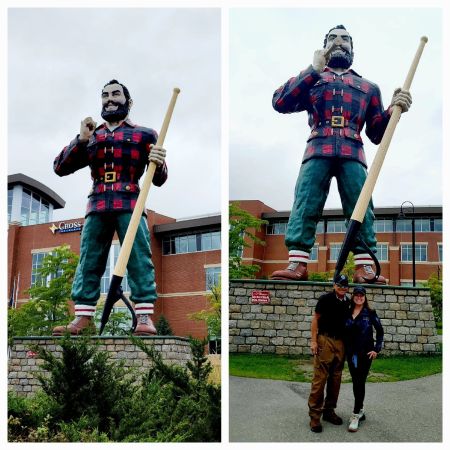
x=361, y=349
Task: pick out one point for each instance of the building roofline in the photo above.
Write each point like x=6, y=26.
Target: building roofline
x=181, y=225
x=382, y=211
x=38, y=187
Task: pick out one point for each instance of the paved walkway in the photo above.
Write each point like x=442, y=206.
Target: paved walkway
x=277, y=411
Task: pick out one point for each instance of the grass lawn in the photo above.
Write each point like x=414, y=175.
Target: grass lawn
x=288, y=368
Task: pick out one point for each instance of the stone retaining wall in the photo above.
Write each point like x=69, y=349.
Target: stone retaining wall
x=283, y=324
x=24, y=363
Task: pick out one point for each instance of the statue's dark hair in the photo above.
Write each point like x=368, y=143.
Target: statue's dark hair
x=125, y=89
x=337, y=27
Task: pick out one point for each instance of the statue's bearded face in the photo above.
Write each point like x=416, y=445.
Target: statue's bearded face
x=115, y=106
x=342, y=55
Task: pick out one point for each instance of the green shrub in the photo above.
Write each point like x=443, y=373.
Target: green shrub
x=26, y=414
x=163, y=327
x=87, y=398
x=83, y=382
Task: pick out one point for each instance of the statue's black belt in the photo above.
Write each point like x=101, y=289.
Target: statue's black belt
x=126, y=186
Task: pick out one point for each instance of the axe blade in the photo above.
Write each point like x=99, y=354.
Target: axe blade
x=115, y=293
x=349, y=242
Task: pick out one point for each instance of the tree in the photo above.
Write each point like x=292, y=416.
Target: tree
x=211, y=316
x=241, y=224
x=48, y=305
x=119, y=323
x=319, y=276
x=163, y=327
x=349, y=266
x=435, y=286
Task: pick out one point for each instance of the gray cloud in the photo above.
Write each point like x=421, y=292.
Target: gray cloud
x=58, y=61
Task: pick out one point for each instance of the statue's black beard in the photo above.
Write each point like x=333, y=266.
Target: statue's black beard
x=119, y=114
x=341, y=61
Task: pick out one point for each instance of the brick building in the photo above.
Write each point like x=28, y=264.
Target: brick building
x=186, y=253
x=394, y=236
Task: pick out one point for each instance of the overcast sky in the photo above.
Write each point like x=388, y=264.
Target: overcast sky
x=268, y=46
x=58, y=62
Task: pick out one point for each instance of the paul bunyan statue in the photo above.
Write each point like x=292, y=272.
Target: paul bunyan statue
x=339, y=103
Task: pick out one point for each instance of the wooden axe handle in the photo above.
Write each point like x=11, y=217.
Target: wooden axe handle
x=127, y=244
x=366, y=193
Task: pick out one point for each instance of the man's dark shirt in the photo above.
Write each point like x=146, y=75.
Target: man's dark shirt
x=333, y=315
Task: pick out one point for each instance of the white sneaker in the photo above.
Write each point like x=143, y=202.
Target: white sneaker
x=361, y=414
x=354, y=423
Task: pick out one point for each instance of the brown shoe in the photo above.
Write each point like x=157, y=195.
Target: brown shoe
x=144, y=326
x=315, y=425
x=80, y=325
x=332, y=417
x=295, y=271
x=365, y=274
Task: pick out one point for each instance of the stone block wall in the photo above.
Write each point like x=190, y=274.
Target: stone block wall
x=278, y=320
x=24, y=363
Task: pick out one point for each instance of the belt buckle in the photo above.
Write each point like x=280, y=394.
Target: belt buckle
x=337, y=121
x=110, y=177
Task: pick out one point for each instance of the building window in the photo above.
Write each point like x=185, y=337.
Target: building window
x=335, y=249
x=439, y=252
x=421, y=252
x=10, y=201
x=336, y=226
x=107, y=275
x=277, y=227
x=36, y=264
x=382, y=252
x=320, y=227
x=280, y=227
x=314, y=255
x=190, y=243
x=34, y=209
x=423, y=225
x=383, y=225
x=420, y=225
x=210, y=241
x=212, y=277
x=437, y=225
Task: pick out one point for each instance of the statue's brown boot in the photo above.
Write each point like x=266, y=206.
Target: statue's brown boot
x=80, y=325
x=295, y=271
x=144, y=326
x=364, y=273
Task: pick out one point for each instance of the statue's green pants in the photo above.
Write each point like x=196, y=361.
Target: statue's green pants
x=311, y=191
x=98, y=232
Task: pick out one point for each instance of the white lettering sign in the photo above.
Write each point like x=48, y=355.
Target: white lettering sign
x=66, y=227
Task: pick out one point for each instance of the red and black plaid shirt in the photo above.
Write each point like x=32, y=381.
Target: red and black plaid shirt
x=122, y=155
x=349, y=98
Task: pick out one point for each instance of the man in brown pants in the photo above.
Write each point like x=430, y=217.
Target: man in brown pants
x=327, y=346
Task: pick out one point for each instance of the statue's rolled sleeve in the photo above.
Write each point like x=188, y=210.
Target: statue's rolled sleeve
x=72, y=158
x=160, y=176
x=161, y=172
x=293, y=96
x=377, y=118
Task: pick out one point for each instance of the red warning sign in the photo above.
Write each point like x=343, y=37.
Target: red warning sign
x=260, y=297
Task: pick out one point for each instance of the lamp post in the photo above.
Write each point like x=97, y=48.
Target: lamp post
x=413, y=224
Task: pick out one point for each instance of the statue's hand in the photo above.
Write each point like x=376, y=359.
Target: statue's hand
x=402, y=98
x=87, y=128
x=319, y=60
x=157, y=155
